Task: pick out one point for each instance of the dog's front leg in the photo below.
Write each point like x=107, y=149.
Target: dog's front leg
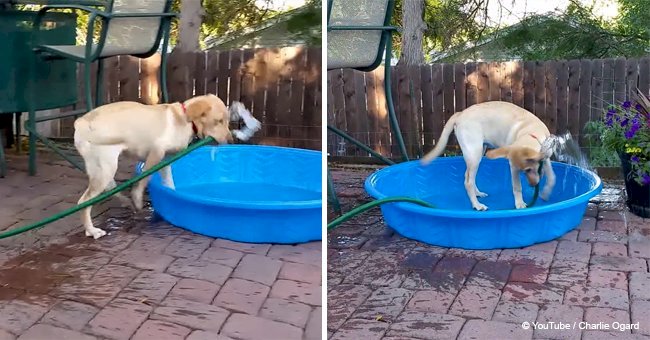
x=154, y=157
x=167, y=177
x=516, y=187
x=550, y=180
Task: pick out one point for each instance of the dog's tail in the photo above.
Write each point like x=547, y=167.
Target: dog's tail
x=442, y=141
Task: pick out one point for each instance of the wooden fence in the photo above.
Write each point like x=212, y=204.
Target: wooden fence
x=281, y=87
x=564, y=94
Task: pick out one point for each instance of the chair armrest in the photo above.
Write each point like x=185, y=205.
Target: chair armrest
x=361, y=28
x=94, y=13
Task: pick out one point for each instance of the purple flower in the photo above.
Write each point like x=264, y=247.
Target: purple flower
x=645, y=179
x=638, y=107
x=629, y=134
x=634, y=159
x=627, y=104
x=624, y=122
x=611, y=111
x=609, y=121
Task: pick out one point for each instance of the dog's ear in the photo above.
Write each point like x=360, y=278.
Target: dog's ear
x=197, y=110
x=498, y=153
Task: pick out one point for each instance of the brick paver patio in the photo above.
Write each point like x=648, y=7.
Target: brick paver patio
x=147, y=279
x=384, y=286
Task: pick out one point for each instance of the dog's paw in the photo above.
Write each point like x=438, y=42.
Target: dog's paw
x=95, y=232
x=169, y=184
x=480, y=207
x=520, y=205
x=138, y=202
x=545, y=195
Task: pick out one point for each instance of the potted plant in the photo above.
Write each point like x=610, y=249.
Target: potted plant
x=625, y=130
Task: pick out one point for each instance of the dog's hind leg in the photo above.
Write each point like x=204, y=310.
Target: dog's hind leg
x=137, y=193
x=471, y=144
x=101, y=166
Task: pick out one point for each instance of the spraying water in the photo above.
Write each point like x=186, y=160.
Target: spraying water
x=566, y=150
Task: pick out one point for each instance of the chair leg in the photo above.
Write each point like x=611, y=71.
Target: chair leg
x=99, y=84
x=163, y=77
x=17, y=136
x=389, y=102
x=3, y=161
x=87, y=86
x=30, y=126
x=163, y=64
x=331, y=194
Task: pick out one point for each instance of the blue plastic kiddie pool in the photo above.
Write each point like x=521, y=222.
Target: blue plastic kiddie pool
x=246, y=193
x=453, y=223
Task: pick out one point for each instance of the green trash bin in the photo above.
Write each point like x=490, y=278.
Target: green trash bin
x=55, y=80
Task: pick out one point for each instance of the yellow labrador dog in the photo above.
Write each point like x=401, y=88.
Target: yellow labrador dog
x=148, y=132
x=517, y=135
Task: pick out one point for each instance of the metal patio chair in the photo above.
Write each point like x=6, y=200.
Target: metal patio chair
x=124, y=27
x=359, y=36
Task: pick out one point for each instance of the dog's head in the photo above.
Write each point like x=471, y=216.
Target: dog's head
x=523, y=158
x=210, y=116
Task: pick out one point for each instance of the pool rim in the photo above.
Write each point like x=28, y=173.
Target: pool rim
x=258, y=205
x=488, y=214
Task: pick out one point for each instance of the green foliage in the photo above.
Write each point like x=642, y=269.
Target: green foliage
x=307, y=24
x=576, y=33
x=449, y=23
x=625, y=129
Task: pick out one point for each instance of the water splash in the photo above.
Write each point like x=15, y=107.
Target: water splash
x=566, y=150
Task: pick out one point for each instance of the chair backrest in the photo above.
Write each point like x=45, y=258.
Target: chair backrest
x=357, y=48
x=134, y=35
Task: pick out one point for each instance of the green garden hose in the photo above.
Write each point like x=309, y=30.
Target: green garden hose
x=362, y=208
x=109, y=193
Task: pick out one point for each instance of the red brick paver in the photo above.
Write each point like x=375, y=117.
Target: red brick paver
x=597, y=274
x=146, y=279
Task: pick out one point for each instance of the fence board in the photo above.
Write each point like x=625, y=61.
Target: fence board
x=529, y=86
x=438, y=102
x=234, y=76
x=540, y=91
x=505, y=86
x=574, y=97
x=585, y=93
x=608, y=82
x=384, y=124
x=416, y=110
x=596, y=98
x=404, y=109
x=259, y=67
x=483, y=87
x=550, y=87
x=472, y=84
x=222, y=75
x=632, y=77
x=644, y=75
x=150, y=69
x=427, y=106
x=212, y=72
x=562, y=96
x=200, y=73
x=495, y=80
x=619, y=80
x=128, y=78
x=248, y=79
x=517, y=82
x=313, y=113
x=460, y=87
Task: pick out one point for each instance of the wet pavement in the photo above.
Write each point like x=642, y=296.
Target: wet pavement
x=384, y=286
x=146, y=279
